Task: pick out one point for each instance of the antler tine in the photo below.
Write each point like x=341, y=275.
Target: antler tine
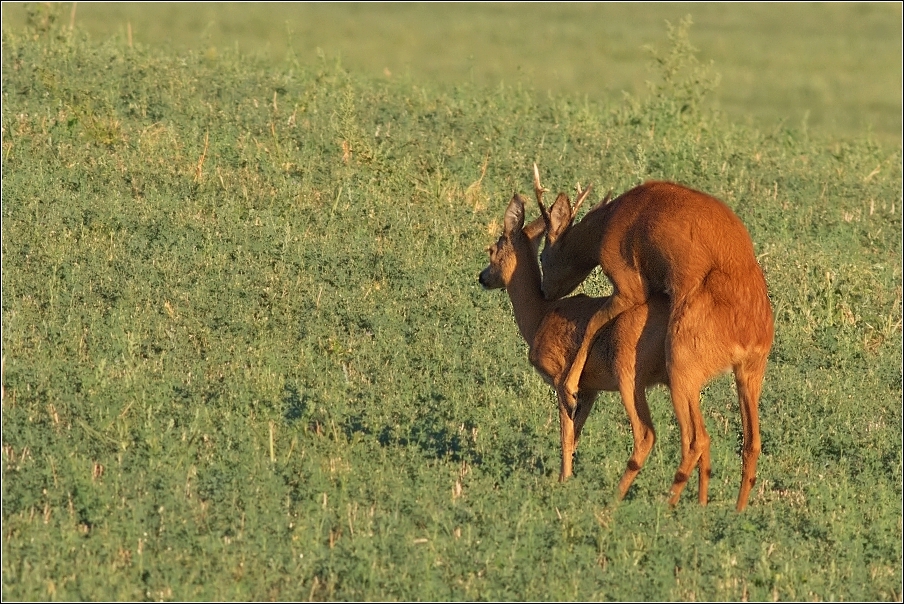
x=539, y=190
x=582, y=195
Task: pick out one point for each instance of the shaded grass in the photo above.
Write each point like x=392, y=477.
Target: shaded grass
x=246, y=356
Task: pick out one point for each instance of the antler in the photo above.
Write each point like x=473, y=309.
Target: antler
x=582, y=195
x=539, y=191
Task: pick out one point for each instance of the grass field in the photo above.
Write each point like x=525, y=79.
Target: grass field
x=835, y=66
x=245, y=354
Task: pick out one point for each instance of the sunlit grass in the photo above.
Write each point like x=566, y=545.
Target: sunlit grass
x=246, y=355
x=835, y=67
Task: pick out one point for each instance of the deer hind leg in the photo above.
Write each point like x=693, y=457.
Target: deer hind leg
x=693, y=355
x=749, y=379
x=695, y=441
x=635, y=401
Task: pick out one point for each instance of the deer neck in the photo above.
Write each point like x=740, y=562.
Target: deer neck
x=524, y=290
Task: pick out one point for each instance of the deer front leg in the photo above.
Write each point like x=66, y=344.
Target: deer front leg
x=572, y=422
x=635, y=401
x=566, y=427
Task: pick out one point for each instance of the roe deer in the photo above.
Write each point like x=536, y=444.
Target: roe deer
x=662, y=237
x=628, y=354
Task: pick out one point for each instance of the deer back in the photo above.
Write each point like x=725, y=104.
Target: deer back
x=660, y=236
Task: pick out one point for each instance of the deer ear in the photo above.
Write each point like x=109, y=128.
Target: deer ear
x=559, y=216
x=514, y=215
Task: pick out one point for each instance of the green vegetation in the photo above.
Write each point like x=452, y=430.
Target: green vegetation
x=245, y=355
x=835, y=66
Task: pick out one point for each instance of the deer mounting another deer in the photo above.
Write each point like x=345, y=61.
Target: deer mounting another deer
x=628, y=355
x=664, y=238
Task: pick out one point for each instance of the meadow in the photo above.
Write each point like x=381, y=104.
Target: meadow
x=246, y=356
x=833, y=66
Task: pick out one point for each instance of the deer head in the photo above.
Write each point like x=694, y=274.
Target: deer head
x=559, y=219
x=502, y=256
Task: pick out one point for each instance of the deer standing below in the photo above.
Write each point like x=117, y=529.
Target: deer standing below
x=664, y=238
x=628, y=355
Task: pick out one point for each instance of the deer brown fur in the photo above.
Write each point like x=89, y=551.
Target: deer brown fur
x=628, y=354
x=661, y=237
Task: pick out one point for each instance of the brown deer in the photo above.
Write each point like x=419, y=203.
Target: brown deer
x=628, y=355
x=664, y=238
